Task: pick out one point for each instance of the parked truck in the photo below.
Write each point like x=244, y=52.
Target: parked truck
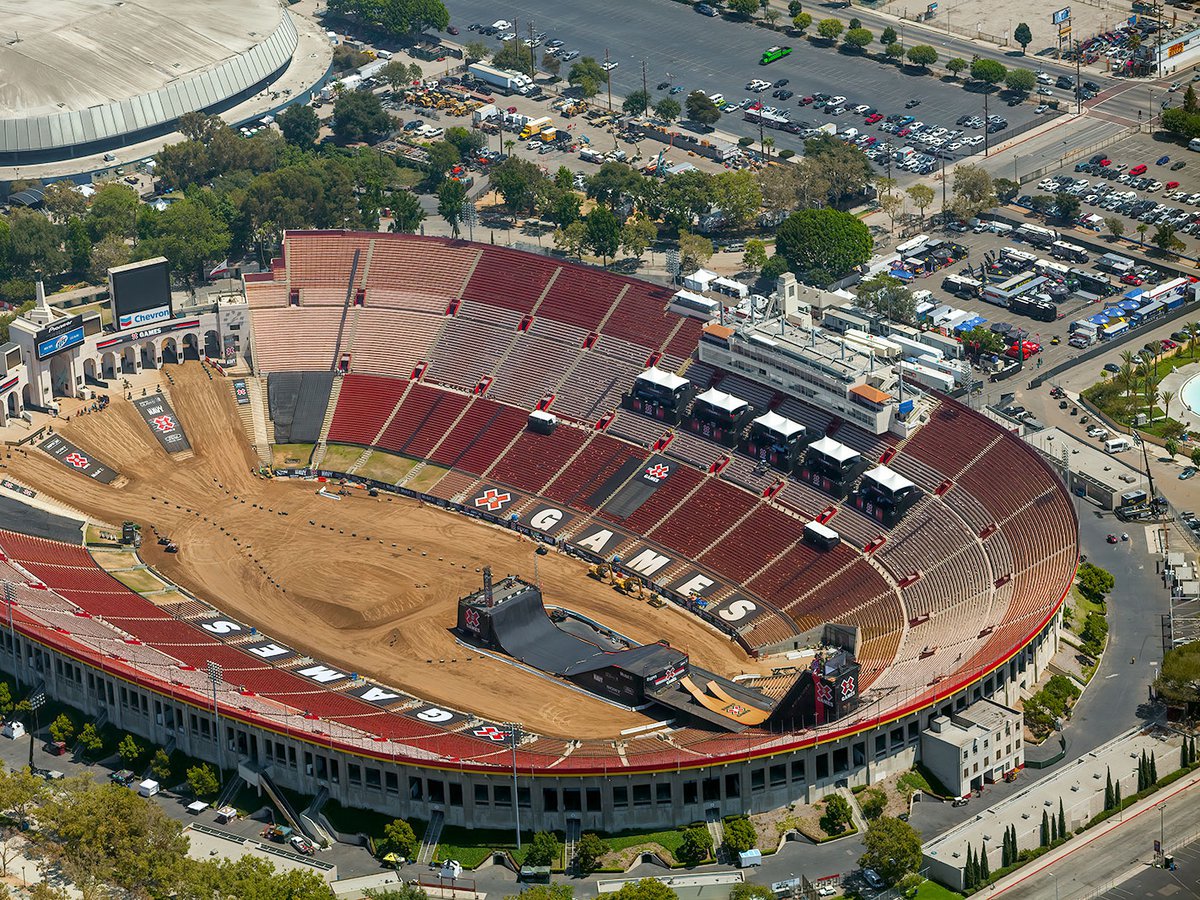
x=534, y=127
x=504, y=79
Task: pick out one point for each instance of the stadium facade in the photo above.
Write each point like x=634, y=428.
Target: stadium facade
x=947, y=603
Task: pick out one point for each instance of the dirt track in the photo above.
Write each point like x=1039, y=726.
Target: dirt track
x=342, y=592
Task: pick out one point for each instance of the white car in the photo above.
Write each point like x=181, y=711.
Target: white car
x=609, y=65
x=862, y=108
x=506, y=36
x=502, y=25
x=1042, y=108
x=834, y=101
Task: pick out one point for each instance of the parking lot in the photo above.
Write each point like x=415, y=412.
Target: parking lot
x=688, y=51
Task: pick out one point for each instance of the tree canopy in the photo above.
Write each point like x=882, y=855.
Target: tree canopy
x=893, y=849
x=359, y=116
x=395, y=17
x=823, y=240
x=988, y=71
x=700, y=108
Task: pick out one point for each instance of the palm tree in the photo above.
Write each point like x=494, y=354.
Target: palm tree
x=1158, y=401
x=1193, y=332
x=1127, y=378
x=1167, y=397
x=1141, y=230
x=768, y=144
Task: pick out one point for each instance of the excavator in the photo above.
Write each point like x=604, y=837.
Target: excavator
x=601, y=572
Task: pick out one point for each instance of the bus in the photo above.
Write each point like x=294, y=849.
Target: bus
x=1034, y=308
x=962, y=286
x=1036, y=235
x=773, y=53
x=1003, y=293
x=1071, y=252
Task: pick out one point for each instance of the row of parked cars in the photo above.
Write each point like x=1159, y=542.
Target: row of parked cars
x=1105, y=193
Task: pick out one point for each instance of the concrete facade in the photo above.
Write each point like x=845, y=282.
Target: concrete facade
x=974, y=747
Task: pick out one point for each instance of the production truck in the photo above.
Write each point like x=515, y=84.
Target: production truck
x=534, y=127
x=503, y=79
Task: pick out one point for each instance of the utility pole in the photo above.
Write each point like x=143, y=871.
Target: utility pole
x=532, y=50
x=514, y=736
x=645, y=90
x=1078, y=81
x=216, y=674
x=1150, y=111
x=944, y=183
x=35, y=703
x=608, y=78
x=986, y=123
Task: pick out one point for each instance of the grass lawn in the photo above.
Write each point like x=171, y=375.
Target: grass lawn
x=931, y=890
x=94, y=534
x=291, y=456
x=386, y=467
x=1080, y=607
x=427, y=478
x=168, y=598
x=351, y=820
x=472, y=846
x=140, y=580
x=669, y=840
x=110, y=560
x=340, y=457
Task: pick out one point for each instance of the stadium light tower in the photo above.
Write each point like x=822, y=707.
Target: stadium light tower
x=216, y=674
x=514, y=736
x=35, y=703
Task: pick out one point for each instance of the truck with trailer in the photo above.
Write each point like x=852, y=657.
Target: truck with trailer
x=505, y=80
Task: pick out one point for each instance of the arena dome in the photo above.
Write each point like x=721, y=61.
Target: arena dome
x=87, y=75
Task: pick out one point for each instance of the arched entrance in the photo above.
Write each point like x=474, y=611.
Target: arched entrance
x=191, y=346
x=149, y=355
x=11, y=403
x=212, y=345
x=170, y=350
x=108, y=365
x=89, y=370
x=27, y=397
x=129, y=360
x=62, y=376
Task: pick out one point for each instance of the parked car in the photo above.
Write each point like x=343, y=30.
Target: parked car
x=300, y=845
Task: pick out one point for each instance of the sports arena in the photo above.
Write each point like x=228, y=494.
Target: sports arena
x=700, y=646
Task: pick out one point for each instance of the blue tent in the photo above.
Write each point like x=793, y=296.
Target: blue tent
x=1134, y=293
x=902, y=274
x=1112, y=311
x=1098, y=319
x=974, y=322
x=1129, y=305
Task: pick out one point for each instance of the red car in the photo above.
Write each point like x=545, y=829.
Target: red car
x=1139, y=169
x=1171, y=185
x=1106, y=161
x=871, y=141
x=872, y=119
x=1168, y=344
x=903, y=132
x=1132, y=279
x=804, y=101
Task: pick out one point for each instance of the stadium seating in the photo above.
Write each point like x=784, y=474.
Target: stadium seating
x=364, y=404
x=637, y=428
x=536, y=458
x=579, y=485
x=276, y=348
x=766, y=534
x=710, y=512
x=596, y=385
x=510, y=279
x=468, y=350
x=660, y=503
x=582, y=302
x=319, y=259
x=417, y=273
x=477, y=441
x=391, y=342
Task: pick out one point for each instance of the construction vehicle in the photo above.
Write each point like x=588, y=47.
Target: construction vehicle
x=631, y=587
x=601, y=572
x=656, y=601
x=549, y=135
x=534, y=127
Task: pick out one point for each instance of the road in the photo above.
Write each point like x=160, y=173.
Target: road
x=721, y=56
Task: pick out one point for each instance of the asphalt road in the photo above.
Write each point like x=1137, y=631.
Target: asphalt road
x=721, y=56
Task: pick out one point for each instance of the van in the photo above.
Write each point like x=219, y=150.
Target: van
x=1194, y=144
x=1117, y=445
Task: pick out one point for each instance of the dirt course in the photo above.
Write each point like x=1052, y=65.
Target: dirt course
x=371, y=586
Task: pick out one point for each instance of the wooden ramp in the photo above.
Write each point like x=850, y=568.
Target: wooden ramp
x=724, y=705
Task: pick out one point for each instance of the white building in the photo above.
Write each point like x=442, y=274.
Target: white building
x=973, y=747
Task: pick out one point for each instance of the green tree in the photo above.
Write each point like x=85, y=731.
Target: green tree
x=300, y=125
x=696, y=847
x=1165, y=239
x=988, y=71
x=519, y=182
x=829, y=29
x=464, y=140
x=255, y=878
x=738, y=195
x=647, y=888
x=514, y=54
x=858, y=38
x=700, y=108
x=452, y=201
x=110, y=252
x=89, y=739
x=1020, y=80
x=1023, y=36
x=637, y=234
x=1170, y=445
x=744, y=8
x=803, y=21
x=982, y=339
x=841, y=171
x=560, y=206
x=694, y=251
x=894, y=51
x=20, y=793
x=873, y=803
x=667, y=109
x=1196, y=457
x=397, y=74
x=970, y=870
x=544, y=850
x=589, y=850
x=1005, y=189
x=475, y=51
x=190, y=235
x=1066, y=206
x=636, y=103
x=748, y=890
x=35, y=244
x=407, y=213
x=202, y=780
x=63, y=200
x=888, y=296
x=587, y=76
x=570, y=240
x=359, y=116
x=551, y=64
x=973, y=190
x=129, y=750
x=985, y=871
x=955, y=65
x=603, y=233
x=825, y=239
x=1115, y=226
x=398, y=838
x=79, y=246
x=1045, y=831
x=62, y=728
x=892, y=848
x=1062, y=820
x=755, y=255
x=1189, y=99
x=837, y=816
x=922, y=55
x=442, y=156
x=740, y=834
x=922, y=196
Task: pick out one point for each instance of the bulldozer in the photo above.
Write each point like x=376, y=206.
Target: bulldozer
x=631, y=587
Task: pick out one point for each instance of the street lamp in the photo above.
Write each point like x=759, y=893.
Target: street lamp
x=514, y=736
x=1055, y=877
x=1162, y=840
x=216, y=674
x=35, y=703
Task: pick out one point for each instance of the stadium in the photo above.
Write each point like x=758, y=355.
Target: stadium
x=95, y=76
x=680, y=623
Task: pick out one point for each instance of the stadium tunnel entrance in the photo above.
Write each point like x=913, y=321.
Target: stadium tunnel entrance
x=191, y=347
x=170, y=350
x=212, y=345
x=149, y=356
x=62, y=375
